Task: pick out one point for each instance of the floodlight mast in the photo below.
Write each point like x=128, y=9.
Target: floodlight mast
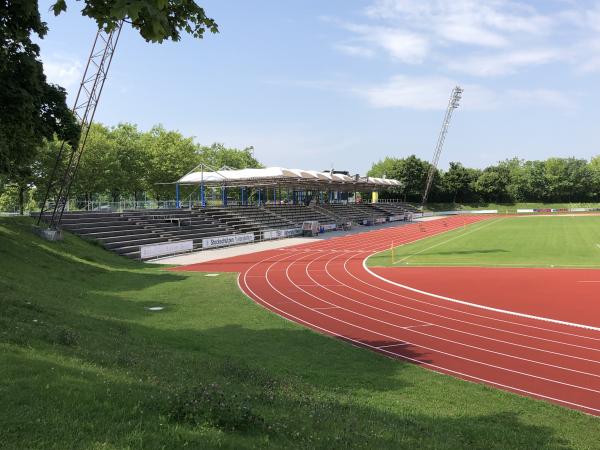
x=88, y=96
x=453, y=103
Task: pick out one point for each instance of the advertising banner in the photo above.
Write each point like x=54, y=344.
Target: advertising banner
x=165, y=248
x=223, y=241
x=278, y=234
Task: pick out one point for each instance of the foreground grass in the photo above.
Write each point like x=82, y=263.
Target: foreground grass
x=84, y=364
x=505, y=208
x=560, y=241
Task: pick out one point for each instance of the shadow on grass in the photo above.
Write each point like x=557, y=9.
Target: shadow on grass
x=83, y=365
x=467, y=252
x=58, y=403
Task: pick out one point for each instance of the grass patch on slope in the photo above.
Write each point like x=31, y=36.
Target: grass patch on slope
x=558, y=241
x=84, y=364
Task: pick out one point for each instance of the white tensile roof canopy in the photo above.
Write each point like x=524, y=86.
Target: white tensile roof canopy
x=309, y=179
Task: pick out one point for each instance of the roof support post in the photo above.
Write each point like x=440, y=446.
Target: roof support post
x=176, y=195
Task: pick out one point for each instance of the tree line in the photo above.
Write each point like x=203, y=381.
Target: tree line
x=510, y=181
x=121, y=162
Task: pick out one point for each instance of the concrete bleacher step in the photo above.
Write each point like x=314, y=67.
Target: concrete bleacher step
x=125, y=243
x=127, y=237
x=95, y=234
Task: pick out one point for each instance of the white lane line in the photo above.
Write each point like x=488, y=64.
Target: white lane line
x=409, y=328
x=405, y=297
x=434, y=367
x=475, y=324
x=476, y=305
x=290, y=264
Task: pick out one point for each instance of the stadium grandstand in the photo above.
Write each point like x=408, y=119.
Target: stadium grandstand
x=254, y=205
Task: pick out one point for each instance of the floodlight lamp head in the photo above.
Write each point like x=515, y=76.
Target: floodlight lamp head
x=456, y=96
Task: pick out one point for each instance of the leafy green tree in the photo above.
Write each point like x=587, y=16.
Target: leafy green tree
x=170, y=155
x=567, y=179
x=458, y=182
x=155, y=20
x=132, y=158
x=411, y=171
x=492, y=184
x=31, y=110
x=99, y=169
x=218, y=156
x=595, y=177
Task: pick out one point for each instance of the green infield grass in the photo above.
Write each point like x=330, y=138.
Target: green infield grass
x=548, y=241
x=84, y=364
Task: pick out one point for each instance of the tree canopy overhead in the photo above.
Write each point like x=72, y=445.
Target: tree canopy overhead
x=155, y=20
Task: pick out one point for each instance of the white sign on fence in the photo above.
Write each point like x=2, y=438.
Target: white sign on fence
x=328, y=227
x=165, y=248
x=395, y=218
x=277, y=234
x=223, y=241
x=524, y=211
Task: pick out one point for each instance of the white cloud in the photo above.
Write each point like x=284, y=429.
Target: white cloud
x=404, y=46
x=64, y=71
x=545, y=97
x=423, y=93
x=503, y=63
x=355, y=50
x=432, y=93
x=491, y=38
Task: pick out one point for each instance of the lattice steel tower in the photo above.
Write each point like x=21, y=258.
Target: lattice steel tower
x=452, y=105
x=88, y=96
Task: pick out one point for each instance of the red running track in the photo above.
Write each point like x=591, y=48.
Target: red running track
x=325, y=285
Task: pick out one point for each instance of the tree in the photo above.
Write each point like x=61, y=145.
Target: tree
x=99, y=169
x=31, y=110
x=170, y=155
x=595, y=177
x=530, y=182
x=568, y=179
x=492, y=184
x=459, y=181
x=132, y=159
x=217, y=156
x=411, y=171
x=155, y=20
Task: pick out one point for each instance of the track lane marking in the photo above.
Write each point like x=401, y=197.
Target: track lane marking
x=436, y=368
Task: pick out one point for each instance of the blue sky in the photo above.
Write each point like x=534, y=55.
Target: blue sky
x=314, y=83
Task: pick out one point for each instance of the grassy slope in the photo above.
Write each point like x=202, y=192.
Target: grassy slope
x=84, y=365
x=506, y=207
x=518, y=241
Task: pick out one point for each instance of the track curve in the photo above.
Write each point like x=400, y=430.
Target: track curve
x=325, y=286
